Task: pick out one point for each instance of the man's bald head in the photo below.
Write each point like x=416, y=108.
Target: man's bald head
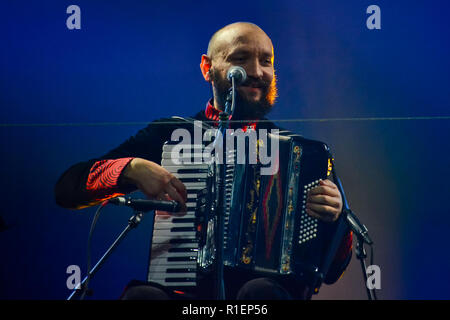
x=232, y=33
x=246, y=45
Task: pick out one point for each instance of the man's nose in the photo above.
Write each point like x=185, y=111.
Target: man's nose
x=253, y=69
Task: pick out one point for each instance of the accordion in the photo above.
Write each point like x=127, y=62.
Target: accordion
x=266, y=228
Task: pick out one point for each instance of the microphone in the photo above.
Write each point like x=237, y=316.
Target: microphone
x=238, y=73
x=357, y=226
x=145, y=205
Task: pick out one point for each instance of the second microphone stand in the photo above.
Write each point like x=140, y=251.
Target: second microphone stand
x=361, y=233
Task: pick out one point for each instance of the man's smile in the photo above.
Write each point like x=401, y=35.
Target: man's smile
x=252, y=89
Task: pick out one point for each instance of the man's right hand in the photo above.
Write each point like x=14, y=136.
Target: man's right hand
x=155, y=181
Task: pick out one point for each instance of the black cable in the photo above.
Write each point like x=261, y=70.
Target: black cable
x=374, y=291
x=371, y=255
x=85, y=287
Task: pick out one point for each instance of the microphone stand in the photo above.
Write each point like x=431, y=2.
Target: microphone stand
x=361, y=233
x=81, y=289
x=224, y=118
x=361, y=255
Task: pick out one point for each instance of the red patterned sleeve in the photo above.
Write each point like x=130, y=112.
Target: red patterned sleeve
x=341, y=260
x=102, y=182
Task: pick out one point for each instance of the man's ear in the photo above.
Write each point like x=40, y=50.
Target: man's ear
x=205, y=67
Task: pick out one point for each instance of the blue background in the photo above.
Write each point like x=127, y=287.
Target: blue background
x=135, y=61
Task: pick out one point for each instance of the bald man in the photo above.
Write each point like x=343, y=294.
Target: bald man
x=246, y=45
x=135, y=164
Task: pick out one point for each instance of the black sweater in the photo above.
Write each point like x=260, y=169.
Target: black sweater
x=71, y=189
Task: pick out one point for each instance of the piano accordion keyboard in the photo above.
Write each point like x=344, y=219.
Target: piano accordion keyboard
x=175, y=239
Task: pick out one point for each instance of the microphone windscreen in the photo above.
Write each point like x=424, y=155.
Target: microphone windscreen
x=238, y=73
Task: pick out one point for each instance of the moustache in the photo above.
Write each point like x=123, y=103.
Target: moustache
x=255, y=84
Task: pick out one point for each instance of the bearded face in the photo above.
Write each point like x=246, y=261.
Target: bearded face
x=254, y=98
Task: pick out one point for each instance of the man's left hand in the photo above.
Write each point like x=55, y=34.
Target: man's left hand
x=324, y=201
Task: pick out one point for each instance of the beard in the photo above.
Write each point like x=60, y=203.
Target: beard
x=246, y=109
